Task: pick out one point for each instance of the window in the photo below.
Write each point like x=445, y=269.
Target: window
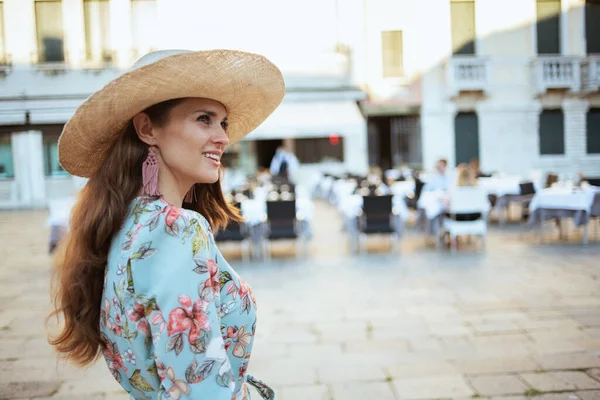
x=96, y=14
x=552, y=132
x=391, y=48
x=592, y=26
x=593, y=131
x=462, y=15
x=51, y=165
x=49, y=25
x=316, y=150
x=2, y=46
x=548, y=26
x=143, y=22
x=466, y=137
x=6, y=157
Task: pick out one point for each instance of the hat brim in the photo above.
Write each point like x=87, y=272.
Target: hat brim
x=248, y=85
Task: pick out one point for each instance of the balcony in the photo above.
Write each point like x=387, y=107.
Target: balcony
x=468, y=74
x=590, y=73
x=51, y=66
x=557, y=73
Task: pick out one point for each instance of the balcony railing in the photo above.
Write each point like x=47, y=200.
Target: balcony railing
x=590, y=72
x=50, y=67
x=557, y=72
x=468, y=74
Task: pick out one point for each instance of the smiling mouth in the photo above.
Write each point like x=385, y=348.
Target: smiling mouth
x=212, y=156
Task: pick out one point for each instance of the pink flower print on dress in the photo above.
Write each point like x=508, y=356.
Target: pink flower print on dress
x=189, y=317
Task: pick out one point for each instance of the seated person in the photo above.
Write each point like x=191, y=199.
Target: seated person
x=440, y=180
x=465, y=178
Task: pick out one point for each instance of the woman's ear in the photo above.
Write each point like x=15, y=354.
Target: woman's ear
x=143, y=128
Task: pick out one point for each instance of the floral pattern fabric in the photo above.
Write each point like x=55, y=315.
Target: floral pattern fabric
x=178, y=321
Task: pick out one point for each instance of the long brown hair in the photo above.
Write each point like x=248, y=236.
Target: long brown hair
x=101, y=208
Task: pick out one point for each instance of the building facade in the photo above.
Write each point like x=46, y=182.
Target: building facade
x=55, y=53
x=512, y=83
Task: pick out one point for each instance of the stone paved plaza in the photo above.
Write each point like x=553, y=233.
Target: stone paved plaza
x=517, y=320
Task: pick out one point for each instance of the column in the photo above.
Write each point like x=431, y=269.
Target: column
x=20, y=43
x=575, y=112
x=74, y=30
x=120, y=32
x=28, y=158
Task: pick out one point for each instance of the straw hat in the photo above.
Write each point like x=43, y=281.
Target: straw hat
x=248, y=85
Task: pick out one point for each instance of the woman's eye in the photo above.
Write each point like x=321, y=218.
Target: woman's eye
x=204, y=118
x=225, y=124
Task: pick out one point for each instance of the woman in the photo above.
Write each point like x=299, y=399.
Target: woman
x=139, y=278
x=466, y=177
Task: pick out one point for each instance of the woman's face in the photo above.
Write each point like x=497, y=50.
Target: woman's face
x=193, y=140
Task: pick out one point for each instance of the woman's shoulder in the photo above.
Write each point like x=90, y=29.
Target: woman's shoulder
x=156, y=219
x=148, y=210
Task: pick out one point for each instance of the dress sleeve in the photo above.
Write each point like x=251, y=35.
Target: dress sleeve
x=175, y=274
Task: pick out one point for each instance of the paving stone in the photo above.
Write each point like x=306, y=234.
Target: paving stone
x=361, y=391
x=550, y=324
x=334, y=373
x=420, y=369
x=510, y=398
x=17, y=390
x=87, y=397
x=497, y=327
x=495, y=366
x=589, y=395
x=316, y=392
x=286, y=373
x=568, y=361
x=117, y=396
x=377, y=346
x=497, y=385
x=91, y=386
x=556, y=396
x=594, y=373
x=561, y=381
x=432, y=388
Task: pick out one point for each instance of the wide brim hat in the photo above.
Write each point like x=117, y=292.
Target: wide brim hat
x=248, y=85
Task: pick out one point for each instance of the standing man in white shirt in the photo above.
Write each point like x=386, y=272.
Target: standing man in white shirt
x=284, y=164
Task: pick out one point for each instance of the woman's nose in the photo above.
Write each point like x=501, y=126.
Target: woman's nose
x=222, y=137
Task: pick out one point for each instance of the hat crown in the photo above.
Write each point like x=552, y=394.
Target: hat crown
x=154, y=56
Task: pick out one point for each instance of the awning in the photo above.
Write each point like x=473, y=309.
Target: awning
x=312, y=119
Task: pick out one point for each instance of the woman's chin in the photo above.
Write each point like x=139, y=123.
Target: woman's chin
x=208, y=178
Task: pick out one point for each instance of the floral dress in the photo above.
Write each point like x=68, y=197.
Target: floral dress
x=177, y=320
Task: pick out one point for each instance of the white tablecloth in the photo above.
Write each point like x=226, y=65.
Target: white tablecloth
x=564, y=199
x=432, y=203
x=501, y=186
x=402, y=188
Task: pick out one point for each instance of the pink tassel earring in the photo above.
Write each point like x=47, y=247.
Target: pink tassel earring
x=150, y=174
x=190, y=196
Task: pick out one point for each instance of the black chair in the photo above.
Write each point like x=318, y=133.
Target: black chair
x=235, y=232
x=376, y=217
x=281, y=223
x=411, y=202
x=592, y=181
x=527, y=191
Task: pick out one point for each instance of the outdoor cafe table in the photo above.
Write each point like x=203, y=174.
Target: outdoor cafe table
x=562, y=202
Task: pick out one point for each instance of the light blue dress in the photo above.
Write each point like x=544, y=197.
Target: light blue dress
x=178, y=321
